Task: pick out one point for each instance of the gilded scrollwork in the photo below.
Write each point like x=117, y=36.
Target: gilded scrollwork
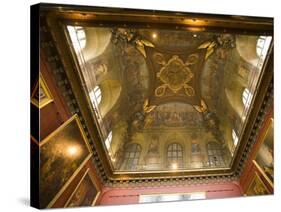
x=175, y=74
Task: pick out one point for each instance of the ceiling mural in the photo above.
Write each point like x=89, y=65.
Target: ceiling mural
x=181, y=95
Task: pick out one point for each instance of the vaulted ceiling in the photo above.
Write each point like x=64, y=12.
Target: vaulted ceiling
x=172, y=100
x=154, y=88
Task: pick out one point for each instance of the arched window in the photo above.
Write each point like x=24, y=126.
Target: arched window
x=77, y=36
x=132, y=155
x=247, y=97
x=234, y=137
x=108, y=140
x=175, y=156
x=215, y=155
x=95, y=96
x=263, y=44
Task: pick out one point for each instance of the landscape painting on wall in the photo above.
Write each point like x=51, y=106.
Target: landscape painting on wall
x=257, y=187
x=62, y=154
x=86, y=193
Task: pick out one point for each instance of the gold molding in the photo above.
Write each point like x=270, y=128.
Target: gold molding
x=190, y=21
x=37, y=102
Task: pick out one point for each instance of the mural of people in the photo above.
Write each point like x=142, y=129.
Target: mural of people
x=152, y=158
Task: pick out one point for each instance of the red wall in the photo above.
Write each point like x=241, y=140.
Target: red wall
x=119, y=196
x=250, y=168
x=54, y=115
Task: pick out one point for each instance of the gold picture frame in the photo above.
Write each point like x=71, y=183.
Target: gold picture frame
x=268, y=180
x=77, y=191
x=62, y=155
x=41, y=95
x=257, y=187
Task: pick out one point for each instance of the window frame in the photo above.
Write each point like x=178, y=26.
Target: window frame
x=131, y=156
x=176, y=156
x=216, y=153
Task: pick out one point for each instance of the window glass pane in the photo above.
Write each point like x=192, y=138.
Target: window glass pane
x=174, y=155
x=132, y=154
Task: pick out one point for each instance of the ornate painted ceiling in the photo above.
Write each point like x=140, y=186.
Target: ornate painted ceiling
x=163, y=98
x=168, y=100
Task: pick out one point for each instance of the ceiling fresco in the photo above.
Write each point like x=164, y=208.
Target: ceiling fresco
x=169, y=100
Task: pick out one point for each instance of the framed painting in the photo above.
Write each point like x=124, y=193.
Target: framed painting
x=86, y=192
x=257, y=187
x=63, y=153
x=264, y=159
x=41, y=95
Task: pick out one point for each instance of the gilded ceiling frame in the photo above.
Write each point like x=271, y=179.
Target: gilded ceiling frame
x=57, y=16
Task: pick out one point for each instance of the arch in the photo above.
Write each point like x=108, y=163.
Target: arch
x=110, y=91
x=246, y=47
x=174, y=154
x=234, y=99
x=131, y=156
x=97, y=41
x=262, y=47
x=215, y=155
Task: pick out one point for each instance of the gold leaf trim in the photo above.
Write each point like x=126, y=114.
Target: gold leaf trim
x=147, y=43
x=189, y=91
x=147, y=108
x=140, y=46
x=205, y=45
x=209, y=52
x=201, y=108
x=160, y=91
